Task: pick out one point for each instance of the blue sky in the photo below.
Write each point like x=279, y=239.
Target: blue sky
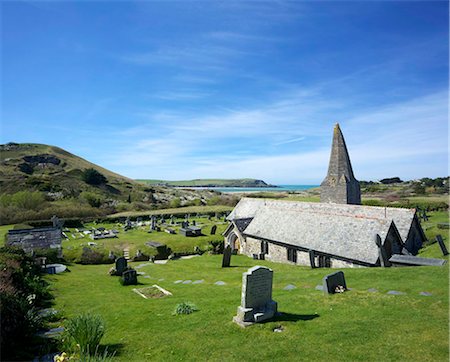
x=229, y=89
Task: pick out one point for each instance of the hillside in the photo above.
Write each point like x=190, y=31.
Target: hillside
x=242, y=182
x=56, y=180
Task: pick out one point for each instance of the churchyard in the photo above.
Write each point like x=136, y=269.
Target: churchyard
x=387, y=314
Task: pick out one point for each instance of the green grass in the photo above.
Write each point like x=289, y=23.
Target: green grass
x=432, y=249
x=354, y=326
x=136, y=238
x=179, y=210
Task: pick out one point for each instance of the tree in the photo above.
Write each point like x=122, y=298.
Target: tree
x=93, y=177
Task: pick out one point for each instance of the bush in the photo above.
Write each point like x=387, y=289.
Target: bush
x=215, y=246
x=22, y=291
x=185, y=308
x=86, y=330
x=175, y=202
x=92, y=199
x=94, y=256
x=52, y=255
x=93, y=177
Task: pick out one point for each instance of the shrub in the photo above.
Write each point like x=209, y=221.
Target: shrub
x=92, y=199
x=94, y=256
x=185, y=308
x=93, y=177
x=86, y=330
x=215, y=246
x=175, y=202
x=21, y=292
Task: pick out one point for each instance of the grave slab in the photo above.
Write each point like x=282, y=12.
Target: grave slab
x=409, y=260
x=289, y=287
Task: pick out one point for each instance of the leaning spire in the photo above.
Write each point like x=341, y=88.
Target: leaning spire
x=340, y=185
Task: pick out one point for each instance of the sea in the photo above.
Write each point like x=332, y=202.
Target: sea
x=279, y=188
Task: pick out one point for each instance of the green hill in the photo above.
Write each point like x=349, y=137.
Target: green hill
x=241, y=182
x=37, y=181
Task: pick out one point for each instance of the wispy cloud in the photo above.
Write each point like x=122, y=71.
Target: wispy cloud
x=240, y=143
x=289, y=141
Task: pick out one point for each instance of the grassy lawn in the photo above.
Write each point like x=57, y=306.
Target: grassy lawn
x=179, y=210
x=354, y=326
x=136, y=238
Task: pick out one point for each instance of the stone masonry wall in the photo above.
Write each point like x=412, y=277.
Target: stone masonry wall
x=32, y=239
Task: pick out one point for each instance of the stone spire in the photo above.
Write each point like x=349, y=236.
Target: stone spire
x=340, y=185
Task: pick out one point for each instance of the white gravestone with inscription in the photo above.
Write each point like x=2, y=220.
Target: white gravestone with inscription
x=256, y=299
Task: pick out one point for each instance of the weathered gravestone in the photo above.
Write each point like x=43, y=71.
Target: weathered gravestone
x=334, y=283
x=153, y=225
x=129, y=277
x=121, y=265
x=441, y=244
x=256, y=298
x=226, y=256
x=213, y=230
x=127, y=224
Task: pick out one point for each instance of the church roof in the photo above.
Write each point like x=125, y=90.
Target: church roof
x=344, y=230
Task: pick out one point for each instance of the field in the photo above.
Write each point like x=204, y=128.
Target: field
x=355, y=326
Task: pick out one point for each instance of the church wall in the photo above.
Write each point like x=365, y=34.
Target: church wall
x=333, y=193
x=251, y=246
x=278, y=254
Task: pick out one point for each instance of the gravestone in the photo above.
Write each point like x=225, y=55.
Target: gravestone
x=441, y=244
x=127, y=223
x=256, y=298
x=226, y=257
x=213, y=230
x=129, y=277
x=121, y=265
x=172, y=220
x=57, y=223
x=194, y=223
x=153, y=225
x=334, y=281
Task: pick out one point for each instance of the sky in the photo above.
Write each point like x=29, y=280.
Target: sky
x=178, y=90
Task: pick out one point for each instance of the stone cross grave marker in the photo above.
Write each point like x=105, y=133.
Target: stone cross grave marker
x=441, y=244
x=129, y=277
x=334, y=283
x=256, y=298
x=213, y=229
x=121, y=265
x=226, y=257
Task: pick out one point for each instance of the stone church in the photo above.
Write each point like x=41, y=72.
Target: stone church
x=337, y=232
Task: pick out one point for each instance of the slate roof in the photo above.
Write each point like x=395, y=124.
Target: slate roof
x=242, y=224
x=347, y=231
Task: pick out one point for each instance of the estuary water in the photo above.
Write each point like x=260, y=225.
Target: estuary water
x=279, y=188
